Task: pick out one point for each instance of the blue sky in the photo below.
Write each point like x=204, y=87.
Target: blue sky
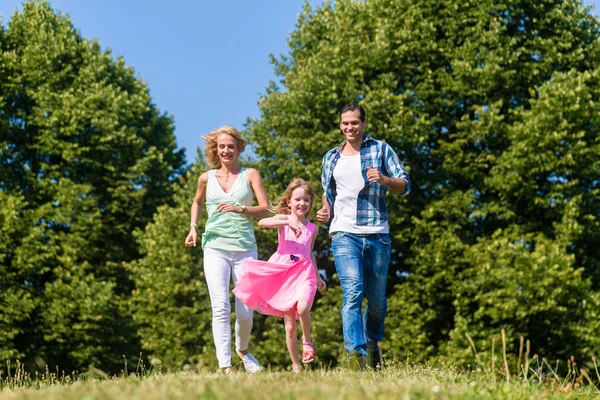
x=206, y=62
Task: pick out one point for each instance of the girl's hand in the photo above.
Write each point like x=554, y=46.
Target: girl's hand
x=321, y=285
x=190, y=240
x=295, y=228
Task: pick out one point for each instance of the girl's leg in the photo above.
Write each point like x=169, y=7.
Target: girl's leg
x=305, y=321
x=217, y=273
x=291, y=338
x=306, y=324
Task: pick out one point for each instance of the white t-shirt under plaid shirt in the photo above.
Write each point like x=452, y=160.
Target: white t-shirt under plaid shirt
x=371, y=208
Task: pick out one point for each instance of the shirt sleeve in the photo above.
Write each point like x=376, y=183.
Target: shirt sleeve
x=324, y=166
x=395, y=168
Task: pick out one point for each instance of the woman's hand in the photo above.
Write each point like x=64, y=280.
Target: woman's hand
x=228, y=207
x=190, y=240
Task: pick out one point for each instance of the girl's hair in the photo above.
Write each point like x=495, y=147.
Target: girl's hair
x=210, y=148
x=282, y=207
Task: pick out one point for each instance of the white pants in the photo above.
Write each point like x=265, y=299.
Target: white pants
x=219, y=267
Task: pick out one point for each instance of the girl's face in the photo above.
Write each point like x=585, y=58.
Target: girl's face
x=227, y=149
x=300, y=203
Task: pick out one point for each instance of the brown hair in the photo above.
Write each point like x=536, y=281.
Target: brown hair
x=353, y=107
x=282, y=206
x=210, y=148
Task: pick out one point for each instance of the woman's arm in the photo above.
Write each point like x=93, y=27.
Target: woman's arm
x=262, y=209
x=199, y=198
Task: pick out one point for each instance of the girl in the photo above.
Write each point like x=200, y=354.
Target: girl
x=285, y=286
x=228, y=190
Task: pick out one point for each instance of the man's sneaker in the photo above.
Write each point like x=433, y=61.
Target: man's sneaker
x=251, y=364
x=374, y=358
x=357, y=361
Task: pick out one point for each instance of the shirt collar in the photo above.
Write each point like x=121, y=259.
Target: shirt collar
x=366, y=139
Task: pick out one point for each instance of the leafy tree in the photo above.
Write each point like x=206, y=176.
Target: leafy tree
x=491, y=105
x=548, y=188
x=85, y=159
x=17, y=302
x=170, y=303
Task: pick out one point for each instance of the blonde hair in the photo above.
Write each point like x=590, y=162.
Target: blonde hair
x=282, y=207
x=210, y=148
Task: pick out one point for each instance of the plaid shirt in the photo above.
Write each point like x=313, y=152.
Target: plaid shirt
x=371, y=206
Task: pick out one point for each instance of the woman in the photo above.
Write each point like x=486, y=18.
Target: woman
x=228, y=190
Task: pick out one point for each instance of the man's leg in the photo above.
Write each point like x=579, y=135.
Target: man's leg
x=347, y=254
x=377, y=258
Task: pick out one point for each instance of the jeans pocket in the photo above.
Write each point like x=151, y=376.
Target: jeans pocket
x=337, y=235
x=385, y=239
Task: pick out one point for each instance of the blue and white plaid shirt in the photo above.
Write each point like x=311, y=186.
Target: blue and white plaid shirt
x=371, y=206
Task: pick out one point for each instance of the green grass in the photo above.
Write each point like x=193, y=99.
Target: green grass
x=397, y=381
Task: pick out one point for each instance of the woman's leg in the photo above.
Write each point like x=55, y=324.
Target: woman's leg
x=291, y=338
x=243, y=321
x=217, y=271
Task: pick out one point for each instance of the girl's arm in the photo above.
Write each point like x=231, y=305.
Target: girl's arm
x=275, y=221
x=279, y=221
x=199, y=198
x=320, y=282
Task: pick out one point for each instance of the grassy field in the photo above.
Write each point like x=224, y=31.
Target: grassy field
x=394, y=382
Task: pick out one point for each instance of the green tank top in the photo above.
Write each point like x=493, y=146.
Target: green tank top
x=228, y=231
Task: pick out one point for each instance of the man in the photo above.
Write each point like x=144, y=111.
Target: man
x=355, y=177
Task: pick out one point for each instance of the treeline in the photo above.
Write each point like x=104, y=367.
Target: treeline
x=86, y=159
x=493, y=106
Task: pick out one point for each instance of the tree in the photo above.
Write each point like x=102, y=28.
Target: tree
x=542, y=268
x=170, y=303
x=463, y=91
x=86, y=159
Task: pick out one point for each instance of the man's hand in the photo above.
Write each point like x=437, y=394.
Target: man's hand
x=323, y=214
x=373, y=175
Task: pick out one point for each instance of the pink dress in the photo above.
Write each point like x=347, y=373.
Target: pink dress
x=274, y=286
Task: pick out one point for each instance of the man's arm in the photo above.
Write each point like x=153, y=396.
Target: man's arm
x=396, y=185
x=398, y=180
x=324, y=213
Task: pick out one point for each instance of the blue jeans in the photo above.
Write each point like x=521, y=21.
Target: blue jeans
x=362, y=266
